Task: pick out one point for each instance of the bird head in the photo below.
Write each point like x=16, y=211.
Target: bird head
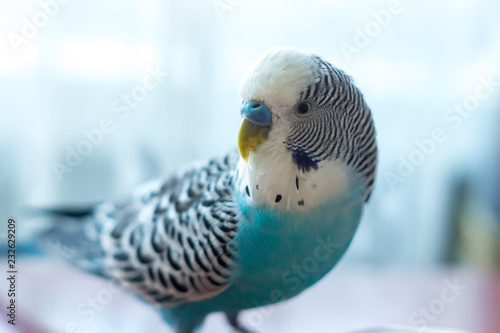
x=303, y=119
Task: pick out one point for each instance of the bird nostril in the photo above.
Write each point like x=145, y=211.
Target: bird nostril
x=256, y=106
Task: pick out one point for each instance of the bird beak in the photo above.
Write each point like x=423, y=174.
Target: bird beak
x=254, y=128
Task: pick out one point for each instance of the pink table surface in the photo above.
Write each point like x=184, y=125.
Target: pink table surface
x=349, y=298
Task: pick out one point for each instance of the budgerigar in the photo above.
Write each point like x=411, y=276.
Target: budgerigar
x=234, y=232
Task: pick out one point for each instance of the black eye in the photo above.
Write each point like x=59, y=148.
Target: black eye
x=304, y=108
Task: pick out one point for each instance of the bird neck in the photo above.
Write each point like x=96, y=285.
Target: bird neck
x=272, y=179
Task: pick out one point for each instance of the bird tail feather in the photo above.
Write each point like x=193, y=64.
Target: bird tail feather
x=73, y=235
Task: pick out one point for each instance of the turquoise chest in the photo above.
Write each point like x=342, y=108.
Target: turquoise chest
x=279, y=254
x=282, y=253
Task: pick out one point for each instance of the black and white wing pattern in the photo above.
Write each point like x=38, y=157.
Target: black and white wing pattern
x=172, y=243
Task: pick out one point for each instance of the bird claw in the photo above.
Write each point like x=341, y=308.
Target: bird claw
x=232, y=318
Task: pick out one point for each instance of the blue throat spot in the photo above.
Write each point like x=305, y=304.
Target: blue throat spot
x=303, y=161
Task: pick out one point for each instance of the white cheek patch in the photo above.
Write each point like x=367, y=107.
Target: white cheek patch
x=271, y=178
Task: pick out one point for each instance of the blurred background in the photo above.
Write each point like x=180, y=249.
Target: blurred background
x=100, y=96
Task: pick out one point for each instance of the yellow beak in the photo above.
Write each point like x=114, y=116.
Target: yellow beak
x=251, y=136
